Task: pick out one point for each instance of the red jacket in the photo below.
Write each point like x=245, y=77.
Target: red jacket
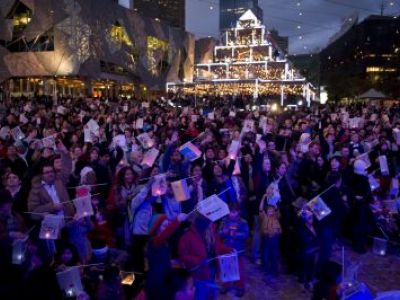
x=192, y=252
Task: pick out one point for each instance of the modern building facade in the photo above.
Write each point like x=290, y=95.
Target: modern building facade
x=88, y=47
x=171, y=12
x=366, y=56
x=231, y=10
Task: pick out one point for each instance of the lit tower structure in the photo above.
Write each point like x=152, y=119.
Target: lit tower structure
x=247, y=63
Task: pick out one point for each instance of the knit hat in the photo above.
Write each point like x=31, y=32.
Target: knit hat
x=155, y=223
x=360, y=167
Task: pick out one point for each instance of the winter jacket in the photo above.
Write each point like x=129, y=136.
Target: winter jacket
x=39, y=201
x=141, y=211
x=193, y=252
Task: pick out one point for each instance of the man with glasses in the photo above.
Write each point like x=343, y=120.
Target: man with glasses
x=49, y=195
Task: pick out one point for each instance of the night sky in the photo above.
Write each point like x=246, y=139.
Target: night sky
x=308, y=23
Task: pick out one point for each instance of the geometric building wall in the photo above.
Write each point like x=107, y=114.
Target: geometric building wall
x=91, y=40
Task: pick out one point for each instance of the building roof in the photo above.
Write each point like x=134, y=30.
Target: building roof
x=248, y=15
x=372, y=94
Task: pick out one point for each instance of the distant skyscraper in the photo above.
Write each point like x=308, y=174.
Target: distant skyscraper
x=231, y=10
x=169, y=11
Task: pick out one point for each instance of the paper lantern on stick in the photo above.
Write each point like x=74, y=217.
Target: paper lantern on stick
x=49, y=142
x=87, y=135
x=190, y=151
x=248, y=126
x=150, y=157
x=18, y=251
x=145, y=140
x=373, y=183
x=319, y=208
x=17, y=134
x=139, y=123
x=213, y=208
x=127, y=278
x=180, y=190
x=383, y=165
x=380, y=246
x=83, y=206
x=70, y=282
x=82, y=191
x=236, y=168
x=159, y=186
x=50, y=227
x=394, y=187
x=234, y=149
x=396, y=136
x=365, y=158
x=229, y=267
x=93, y=127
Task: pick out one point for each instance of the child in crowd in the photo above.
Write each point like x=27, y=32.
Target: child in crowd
x=271, y=231
x=234, y=231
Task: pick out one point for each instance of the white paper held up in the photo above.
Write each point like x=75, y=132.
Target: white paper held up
x=213, y=208
x=190, y=151
x=83, y=206
x=70, y=282
x=180, y=190
x=159, y=186
x=150, y=157
x=319, y=208
x=51, y=226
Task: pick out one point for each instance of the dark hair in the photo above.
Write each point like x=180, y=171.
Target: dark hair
x=75, y=256
x=47, y=164
x=121, y=175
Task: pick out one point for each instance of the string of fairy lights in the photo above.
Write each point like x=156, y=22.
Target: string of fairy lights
x=302, y=12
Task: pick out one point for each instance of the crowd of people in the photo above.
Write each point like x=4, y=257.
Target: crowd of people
x=296, y=182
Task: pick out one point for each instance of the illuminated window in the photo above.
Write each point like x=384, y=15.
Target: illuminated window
x=21, y=16
x=380, y=69
x=157, y=55
x=119, y=35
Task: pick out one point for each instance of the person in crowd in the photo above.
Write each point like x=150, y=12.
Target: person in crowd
x=119, y=202
x=308, y=244
x=49, y=194
x=13, y=162
x=158, y=254
x=271, y=231
x=198, y=249
x=263, y=179
x=234, y=232
x=362, y=221
x=197, y=187
x=328, y=282
x=294, y=155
